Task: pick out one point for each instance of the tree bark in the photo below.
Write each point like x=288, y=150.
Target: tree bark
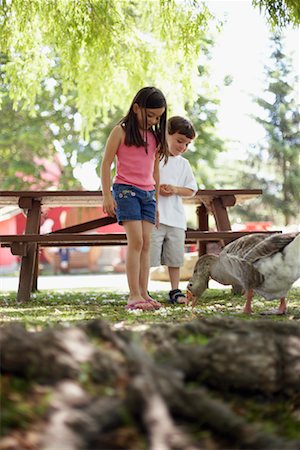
x=160, y=389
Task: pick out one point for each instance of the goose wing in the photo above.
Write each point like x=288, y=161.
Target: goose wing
x=242, y=246
x=269, y=246
x=242, y=270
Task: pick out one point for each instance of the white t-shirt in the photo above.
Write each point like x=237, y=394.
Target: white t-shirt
x=177, y=172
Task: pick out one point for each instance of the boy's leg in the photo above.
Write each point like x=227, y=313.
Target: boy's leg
x=173, y=258
x=156, y=245
x=176, y=296
x=174, y=275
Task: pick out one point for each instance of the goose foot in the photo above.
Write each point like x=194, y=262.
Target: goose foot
x=248, y=308
x=281, y=311
x=272, y=312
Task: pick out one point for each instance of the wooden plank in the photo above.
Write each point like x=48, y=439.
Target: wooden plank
x=228, y=200
x=19, y=248
x=95, y=198
x=86, y=226
x=63, y=239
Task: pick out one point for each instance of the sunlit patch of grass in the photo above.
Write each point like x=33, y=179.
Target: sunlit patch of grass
x=47, y=308
x=224, y=303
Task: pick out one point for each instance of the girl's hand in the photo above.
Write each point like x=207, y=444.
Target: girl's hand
x=157, y=219
x=109, y=205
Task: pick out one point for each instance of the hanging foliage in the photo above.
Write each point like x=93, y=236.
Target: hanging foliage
x=280, y=13
x=104, y=50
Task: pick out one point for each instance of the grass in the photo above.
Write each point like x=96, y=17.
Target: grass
x=49, y=308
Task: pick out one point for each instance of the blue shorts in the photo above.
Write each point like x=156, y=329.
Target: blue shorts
x=134, y=203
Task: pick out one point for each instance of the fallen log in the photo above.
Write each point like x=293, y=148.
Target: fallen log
x=164, y=388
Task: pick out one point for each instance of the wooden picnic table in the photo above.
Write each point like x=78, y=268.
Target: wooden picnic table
x=206, y=201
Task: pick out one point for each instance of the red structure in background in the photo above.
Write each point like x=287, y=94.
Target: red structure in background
x=256, y=226
x=7, y=226
x=15, y=221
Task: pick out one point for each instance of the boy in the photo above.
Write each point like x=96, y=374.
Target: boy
x=177, y=181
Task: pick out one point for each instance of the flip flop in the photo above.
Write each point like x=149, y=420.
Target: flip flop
x=139, y=304
x=175, y=294
x=153, y=302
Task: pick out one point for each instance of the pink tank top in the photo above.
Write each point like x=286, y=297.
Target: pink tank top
x=135, y=166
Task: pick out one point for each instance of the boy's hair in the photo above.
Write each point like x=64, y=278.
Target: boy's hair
x=177, y=124
x=147, y=97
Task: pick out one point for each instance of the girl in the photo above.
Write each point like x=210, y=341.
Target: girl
x=138, y=142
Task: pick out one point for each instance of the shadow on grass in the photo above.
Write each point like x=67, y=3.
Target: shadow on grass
x=48, y=308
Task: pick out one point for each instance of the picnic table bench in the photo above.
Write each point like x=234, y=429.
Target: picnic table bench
x=215, y=202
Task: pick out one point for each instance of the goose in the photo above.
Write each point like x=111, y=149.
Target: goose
x=267, y=264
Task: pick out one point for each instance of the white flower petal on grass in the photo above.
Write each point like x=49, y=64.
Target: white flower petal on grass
x=162, y=311
x=258, y=303
x=136, y=312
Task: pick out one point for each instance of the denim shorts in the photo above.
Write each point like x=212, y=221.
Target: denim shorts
x=134, y=203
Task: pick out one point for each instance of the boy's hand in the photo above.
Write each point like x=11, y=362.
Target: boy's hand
x=167, y=190
x=109, y=205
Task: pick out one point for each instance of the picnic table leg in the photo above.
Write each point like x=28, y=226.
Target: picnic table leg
x=28, y=261
x=221, y=215
x=202, y=215
x=36, y=266
x=36, y=271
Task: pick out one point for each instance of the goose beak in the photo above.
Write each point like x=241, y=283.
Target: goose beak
x=190, y=298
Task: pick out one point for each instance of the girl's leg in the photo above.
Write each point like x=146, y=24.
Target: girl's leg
x=134, y=234
x=147, y=229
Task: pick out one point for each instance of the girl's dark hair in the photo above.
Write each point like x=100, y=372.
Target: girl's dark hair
x=177, y=124
x=147, y=97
